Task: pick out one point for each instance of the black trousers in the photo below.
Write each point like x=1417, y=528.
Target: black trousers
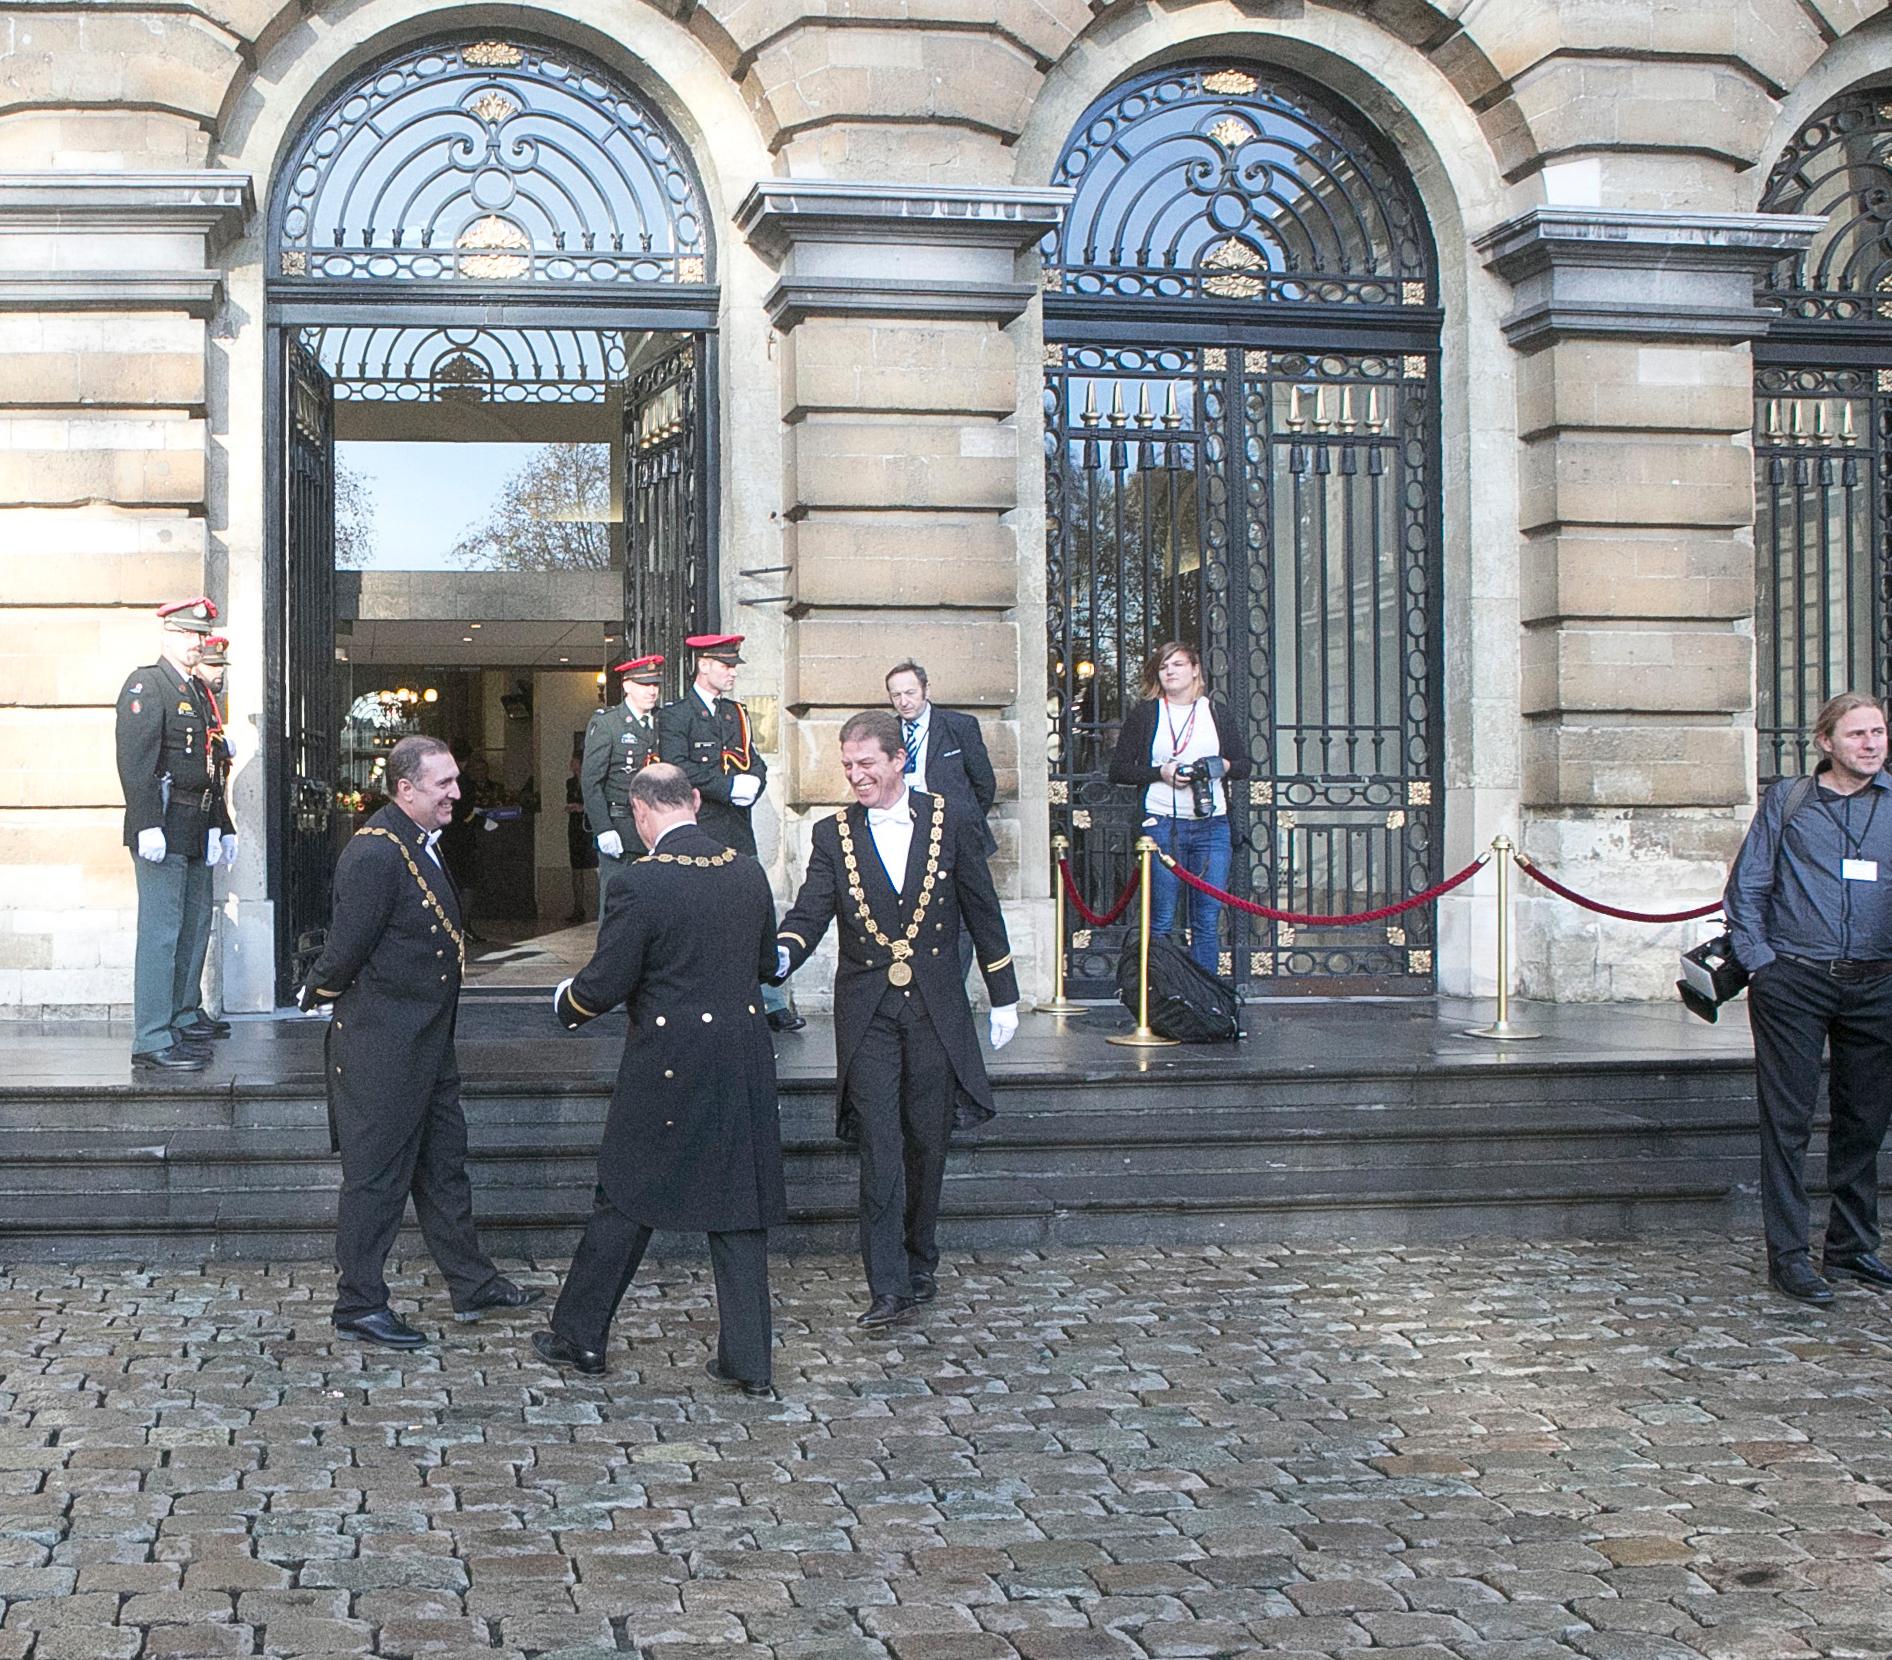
x=1795, y=1012
x=378, y=1178
x=607, y=1260
x=901, y=1085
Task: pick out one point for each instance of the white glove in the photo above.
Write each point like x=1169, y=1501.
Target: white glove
x=744, y=788
x=151, y=845
x=213, y=848
x=781, y=962
x=564, y=986
x=611, y=845
x=1004, y=1025
x=229, y=851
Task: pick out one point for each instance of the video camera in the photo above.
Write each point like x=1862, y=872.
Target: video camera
x=1200, y=776
x=1711, y=975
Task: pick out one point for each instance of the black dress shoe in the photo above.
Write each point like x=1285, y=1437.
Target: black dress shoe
x=925, y=1287
x=1865, y=1266
x=764, y=1391
x=556, y=1351
x=500, y=1296
x=1797, y=1279
x=785, y=1020
x=204, y=1029
x=383, y=1326
x=887, y=1311
x=178, y=1058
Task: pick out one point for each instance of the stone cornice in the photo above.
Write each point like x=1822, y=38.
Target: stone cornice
x=795, y=298
x=213, y=202
x=779, y=213
x=1641, y=273
x=198, y=293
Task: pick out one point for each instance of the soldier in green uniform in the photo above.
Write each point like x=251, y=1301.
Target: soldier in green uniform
x=196, y=1025
x=706, y=732
x=619, y=743
x=174, y=814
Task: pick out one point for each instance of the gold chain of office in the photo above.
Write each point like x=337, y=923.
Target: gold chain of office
x=428, y=897
x=704, y=861
x=899, y=971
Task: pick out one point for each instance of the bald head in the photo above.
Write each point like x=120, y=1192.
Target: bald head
x=662, y=797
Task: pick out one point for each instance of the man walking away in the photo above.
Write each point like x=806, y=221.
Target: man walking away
x=693, y=1140
x=1809, y=905
x=391, y=966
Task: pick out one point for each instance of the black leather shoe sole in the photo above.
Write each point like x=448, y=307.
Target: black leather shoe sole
x=174, y=1059
x=504, y=1304
x=555, y=1351
x=203, y=1034
x=398, y=1336
x=925, y=1288
x=1817, y=1292
x=1857, y=1271
x=876, y=1318
x=755, y=1391
x=785, y=1020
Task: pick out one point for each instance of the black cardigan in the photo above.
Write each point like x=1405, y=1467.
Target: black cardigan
x=1131, y=762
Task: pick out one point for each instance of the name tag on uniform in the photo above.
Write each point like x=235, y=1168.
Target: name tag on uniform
x=1860, y=870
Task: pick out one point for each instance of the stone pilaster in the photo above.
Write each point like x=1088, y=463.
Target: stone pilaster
x=106, y=289
x=898, y=311
x=1636, y=493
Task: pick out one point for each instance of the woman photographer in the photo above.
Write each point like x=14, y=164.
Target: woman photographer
x=1183, y=747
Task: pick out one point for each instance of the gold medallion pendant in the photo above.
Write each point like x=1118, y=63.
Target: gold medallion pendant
x=899, y=974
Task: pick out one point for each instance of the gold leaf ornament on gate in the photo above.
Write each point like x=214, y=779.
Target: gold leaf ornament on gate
x=494, y=107
x=1233, y=260
x=492, y=248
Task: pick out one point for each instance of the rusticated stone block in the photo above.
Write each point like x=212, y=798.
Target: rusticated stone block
x=1635, y=479
x=829, y=364
x=1644, y=761
x=903, y=560
x=52, y=659
x=840, y=660
x=1575, y=383
x=151, y=60
x=901, y=464
x=116, y=557
x=1651, y=668
x=1635, y=573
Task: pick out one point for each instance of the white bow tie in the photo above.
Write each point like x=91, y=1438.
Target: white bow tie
x=432, y=837
x=902, y=814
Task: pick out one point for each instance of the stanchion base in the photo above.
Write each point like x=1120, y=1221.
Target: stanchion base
x=1505, y=1031
x=1060, y=1005
x=1142, y=1038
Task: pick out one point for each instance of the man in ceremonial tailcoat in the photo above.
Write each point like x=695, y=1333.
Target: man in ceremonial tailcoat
x=706, y=732
x=619, y=742
x=175, y=825
x=391, y=965
x=897, y=873
x=693, y=1140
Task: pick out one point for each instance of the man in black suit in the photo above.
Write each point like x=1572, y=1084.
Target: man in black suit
x=897, y=873
x=391, y=966
x=693, y=1140
x=945, y=756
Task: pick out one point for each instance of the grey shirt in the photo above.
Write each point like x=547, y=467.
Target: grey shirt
x=1788, y=893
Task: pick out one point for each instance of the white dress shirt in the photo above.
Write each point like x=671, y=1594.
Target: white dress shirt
x=892, y=830
x=433, y=851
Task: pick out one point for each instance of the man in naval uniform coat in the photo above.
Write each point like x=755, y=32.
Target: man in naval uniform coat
x=196, y=1023
x=391, y=966
x=706, y=732
x=693, y=1139
x=174, y=813
x=897, y=873
x=618, y=743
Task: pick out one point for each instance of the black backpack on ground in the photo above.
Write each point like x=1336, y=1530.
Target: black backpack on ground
x=1186, y=1002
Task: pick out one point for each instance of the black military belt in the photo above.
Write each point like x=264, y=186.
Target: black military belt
x=1844, y=968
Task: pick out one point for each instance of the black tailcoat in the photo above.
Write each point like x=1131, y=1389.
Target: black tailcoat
x=391, y=965
x=948, y=872
x=713, y=750
x=694, y=1140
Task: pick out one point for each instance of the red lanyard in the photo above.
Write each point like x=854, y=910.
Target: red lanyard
x=1178, y=744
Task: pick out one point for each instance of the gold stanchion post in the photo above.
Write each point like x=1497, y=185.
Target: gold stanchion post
x=1503, y=1028
x=1059, y=1004
x=1143, y=1037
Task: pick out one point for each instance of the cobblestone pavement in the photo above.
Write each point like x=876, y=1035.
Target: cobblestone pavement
x=1623, y=1453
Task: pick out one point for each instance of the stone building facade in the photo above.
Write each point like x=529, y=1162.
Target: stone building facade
x=884, y=190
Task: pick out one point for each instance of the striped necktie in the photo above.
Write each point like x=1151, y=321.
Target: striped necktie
x=913, y=749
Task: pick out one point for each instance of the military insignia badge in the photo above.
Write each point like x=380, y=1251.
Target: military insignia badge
x=183, y=706
x=137, y=708
x=137, y=685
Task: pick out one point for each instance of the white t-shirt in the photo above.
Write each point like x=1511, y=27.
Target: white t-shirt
x=1182, y=735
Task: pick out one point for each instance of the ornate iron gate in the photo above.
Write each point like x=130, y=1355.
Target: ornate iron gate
x=306, y=693
x=666, y=563
x=1823, y=434
x=1241, y=445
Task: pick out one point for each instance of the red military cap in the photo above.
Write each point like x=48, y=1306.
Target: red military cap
x=725, y=648
x=194, y=615
x=214, y=651
x=646, y=671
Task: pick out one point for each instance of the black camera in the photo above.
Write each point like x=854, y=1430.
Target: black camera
x=1200, y=776
x=1711, y=976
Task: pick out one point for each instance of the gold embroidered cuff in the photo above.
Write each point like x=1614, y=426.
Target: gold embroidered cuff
x=784, y=934
x=1003, y=962
x=589, y=1014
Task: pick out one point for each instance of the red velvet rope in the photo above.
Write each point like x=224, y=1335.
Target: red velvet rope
x=1083, y=910
x=1601, y=909
x=1302, y=920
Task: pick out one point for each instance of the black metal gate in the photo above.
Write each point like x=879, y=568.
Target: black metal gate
x=1823, y=434
x=305, y=692
x=667, y=561
x=1241, y=444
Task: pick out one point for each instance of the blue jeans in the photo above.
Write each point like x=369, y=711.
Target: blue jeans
x=1201, y=847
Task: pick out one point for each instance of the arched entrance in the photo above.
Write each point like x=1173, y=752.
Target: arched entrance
x=1241, y=444
x=1823, y=433
x=484, y=240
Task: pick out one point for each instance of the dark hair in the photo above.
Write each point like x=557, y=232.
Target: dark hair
x=1153, y=687
x=879, y=724
x=908, y=666
x=407, y=757
x=661, y=786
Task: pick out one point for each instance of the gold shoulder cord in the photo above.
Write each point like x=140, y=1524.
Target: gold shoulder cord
x=701, y=861
x=899, y=971
x=427, y=894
